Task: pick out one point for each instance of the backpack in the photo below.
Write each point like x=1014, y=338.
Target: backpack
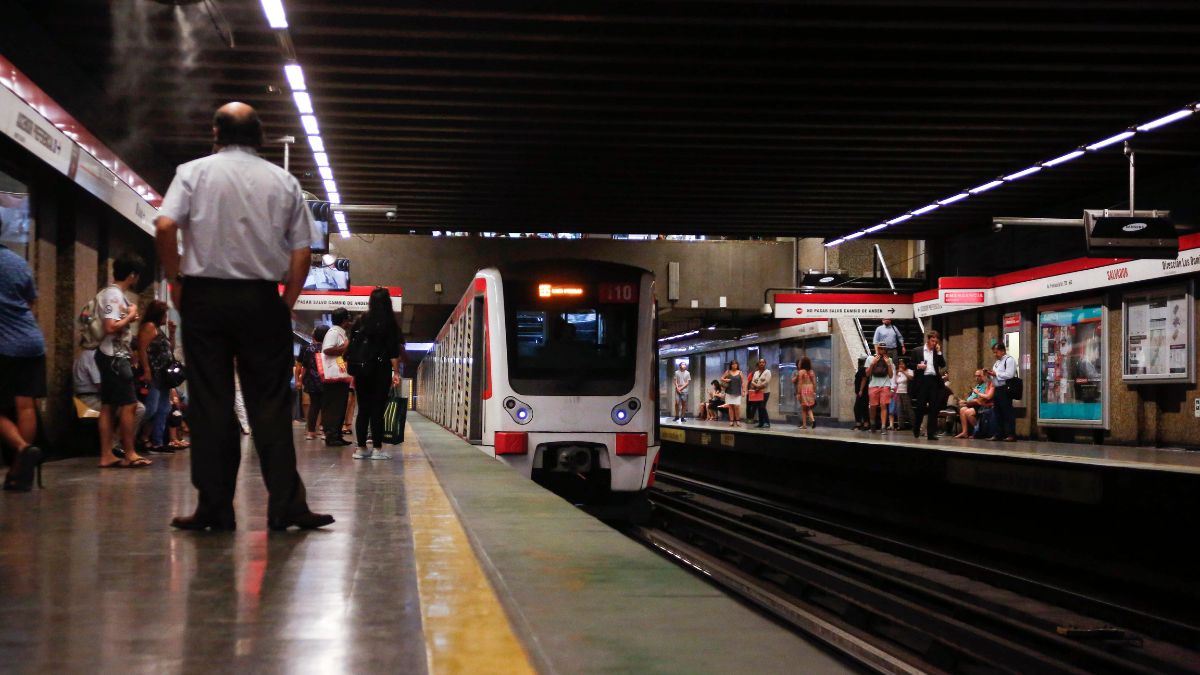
x=880, y=369
x=91, y=324
x=358, y=353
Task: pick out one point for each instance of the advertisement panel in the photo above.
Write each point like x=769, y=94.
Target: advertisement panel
x=1158, y=335
x=1071, y=366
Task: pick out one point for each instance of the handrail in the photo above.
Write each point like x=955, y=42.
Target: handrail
x=886, y=272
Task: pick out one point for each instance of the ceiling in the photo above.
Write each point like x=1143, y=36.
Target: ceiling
x=742, y=118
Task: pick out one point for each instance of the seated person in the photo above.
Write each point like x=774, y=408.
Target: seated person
x=980, y=398
x=716, y=398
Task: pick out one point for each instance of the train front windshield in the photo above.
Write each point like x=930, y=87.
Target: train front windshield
x=564, y=340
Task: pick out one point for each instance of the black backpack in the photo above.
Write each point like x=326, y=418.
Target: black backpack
x=358, y=353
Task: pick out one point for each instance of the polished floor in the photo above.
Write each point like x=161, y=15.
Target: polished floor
x=93, y=580
x=1150, y=459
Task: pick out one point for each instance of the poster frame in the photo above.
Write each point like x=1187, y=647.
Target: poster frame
x=1187, y=287
x=1103, y=422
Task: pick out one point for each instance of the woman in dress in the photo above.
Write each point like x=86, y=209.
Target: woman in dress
x=735, y=382
x=806, y=392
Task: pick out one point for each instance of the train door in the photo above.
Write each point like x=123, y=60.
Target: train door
x=475, y=424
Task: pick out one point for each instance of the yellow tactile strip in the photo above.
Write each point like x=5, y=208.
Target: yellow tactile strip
x=466, y=630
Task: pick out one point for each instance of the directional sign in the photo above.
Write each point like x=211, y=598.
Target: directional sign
x=843, y=305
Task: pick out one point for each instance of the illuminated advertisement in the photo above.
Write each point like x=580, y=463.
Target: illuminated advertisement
x=1158, y=335
x=1071, y=366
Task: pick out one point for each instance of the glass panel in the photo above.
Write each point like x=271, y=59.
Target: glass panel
x=16, y=219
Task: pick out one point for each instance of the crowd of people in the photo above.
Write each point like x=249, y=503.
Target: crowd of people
x=890, y=395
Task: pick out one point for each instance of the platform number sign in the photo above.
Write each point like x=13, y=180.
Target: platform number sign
x=617, y=293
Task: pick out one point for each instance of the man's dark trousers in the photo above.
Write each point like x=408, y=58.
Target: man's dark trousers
x=334, y=397
x=764, y=418
x=225, y=320
x=927, y=404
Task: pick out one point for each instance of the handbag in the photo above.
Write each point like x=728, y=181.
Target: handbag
x=394, y=414
x=1015, y=388
x=173, y=374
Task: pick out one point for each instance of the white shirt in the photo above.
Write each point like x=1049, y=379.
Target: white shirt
x=763, y=379
x=241, y=216
x=682, y=379
x=1005, y=368
x=334, y=367
x=114, y=305
x=900, y=381
x=929, y=355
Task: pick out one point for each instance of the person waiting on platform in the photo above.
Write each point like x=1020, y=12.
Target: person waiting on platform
x=1004, y=422
x=335, y=380
x=759, y=388
x=716, y=399
x=879, y=388
x=971, y=410
x=154, y=352
x=928, y=386
x=900, y=382
x=862, y=405
x=22, y=370
x=805, y=381
x=683, y=381
x=378, y=371
x=310, y=377
x=735, y=382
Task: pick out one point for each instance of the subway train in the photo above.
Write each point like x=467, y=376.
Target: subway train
x=550, y=367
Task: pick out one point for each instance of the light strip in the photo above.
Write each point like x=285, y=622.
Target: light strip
x=326, y=172
x=339, y=216
x=1163, y=121
x=276, y=17
x=310, y=124
x=303, y=102
x=316, y=143
x=295, y=77
x=335, y=198
x=321, y=158
x=330, y=186
x=1064, y=159
x=1110, y=140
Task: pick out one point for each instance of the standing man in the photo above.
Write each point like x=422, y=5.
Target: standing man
x=889, y=336
x=760, y=381
x=683, y=381
x=335, y=380
x=245, y=228
x=1003, y=370
x=927, y=387
x=118, y=391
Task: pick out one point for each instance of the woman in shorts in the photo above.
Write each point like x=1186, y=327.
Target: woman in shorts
x=22, y=370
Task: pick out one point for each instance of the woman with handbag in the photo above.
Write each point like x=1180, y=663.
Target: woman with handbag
x=377, y=372
x=154, y=352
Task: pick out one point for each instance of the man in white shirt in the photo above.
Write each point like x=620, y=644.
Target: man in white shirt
x=760, y=381
x=335, y=380
x=118, y=396
x=927, y=386
x=246, y=230
x=1003, y=370
x=683, y=380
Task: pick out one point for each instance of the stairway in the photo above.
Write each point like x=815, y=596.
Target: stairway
x=909, y=329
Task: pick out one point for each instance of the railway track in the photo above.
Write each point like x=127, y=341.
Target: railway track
x=896, y=607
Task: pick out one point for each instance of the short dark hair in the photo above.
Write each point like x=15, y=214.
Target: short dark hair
x=340, y=316
x=233, y=129
x=1000, y=346
x=320, y=333
x=128, y=263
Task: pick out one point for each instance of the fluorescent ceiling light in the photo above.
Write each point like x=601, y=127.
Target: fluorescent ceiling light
x=340, y=217
x=310, y=124
x=876, y=228
x=835, y=242
x=985, y=187
x=326, y=172
x=316, y=143
x=926, y=209
x=295, y=76
x=321, y=158
x=275, y=14
x=330, y=186
x=956, y=198
x=303, y=102
x=899, y=219
x=1021, y=174
x=1110, y=140
x=856, y=235
x=1064, y=159
x=335, y=198
x=1163, y=121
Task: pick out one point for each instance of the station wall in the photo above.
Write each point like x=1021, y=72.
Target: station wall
x=738, y=270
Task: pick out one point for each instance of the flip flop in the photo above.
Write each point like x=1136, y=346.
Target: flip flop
x=139, y=463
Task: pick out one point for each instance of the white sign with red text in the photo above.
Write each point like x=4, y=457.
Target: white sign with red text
x=843, y=306
x=355, y=300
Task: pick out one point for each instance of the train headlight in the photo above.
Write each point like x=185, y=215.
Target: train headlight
x=623, y=412
x=519, y=411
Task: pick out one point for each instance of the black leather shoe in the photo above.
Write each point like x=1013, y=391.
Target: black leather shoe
x=198, y=521
x=304, y=521
x=341, y=442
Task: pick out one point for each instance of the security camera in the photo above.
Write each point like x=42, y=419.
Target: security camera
x=390, y=215
x=997, y=227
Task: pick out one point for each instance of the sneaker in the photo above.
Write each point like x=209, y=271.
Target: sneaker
x=380, y=453
x=362, y=453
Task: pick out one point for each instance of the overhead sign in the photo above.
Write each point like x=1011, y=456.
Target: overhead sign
x=843, y=306
x=354, y=300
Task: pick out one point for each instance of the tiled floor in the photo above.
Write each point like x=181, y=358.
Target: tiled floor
x=1154, y=459
x=92, y=579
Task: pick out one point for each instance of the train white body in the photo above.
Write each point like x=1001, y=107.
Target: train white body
x=550, y=367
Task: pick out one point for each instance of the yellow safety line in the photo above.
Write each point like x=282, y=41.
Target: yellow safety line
x=466, y=630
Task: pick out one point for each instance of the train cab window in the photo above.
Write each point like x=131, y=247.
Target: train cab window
x=574, y=350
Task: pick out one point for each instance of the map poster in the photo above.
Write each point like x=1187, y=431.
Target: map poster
x=1158, y=335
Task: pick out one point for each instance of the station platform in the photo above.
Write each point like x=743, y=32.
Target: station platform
x=440, y=561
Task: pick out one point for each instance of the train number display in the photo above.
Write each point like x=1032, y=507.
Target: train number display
x=614, y=293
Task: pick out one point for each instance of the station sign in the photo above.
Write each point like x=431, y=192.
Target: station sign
x=843, y=306
x=354, y=300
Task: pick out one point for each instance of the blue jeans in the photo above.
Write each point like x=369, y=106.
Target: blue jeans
x=158, y=407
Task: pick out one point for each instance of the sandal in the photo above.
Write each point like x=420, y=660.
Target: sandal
x=139, y=463
x=20, y=475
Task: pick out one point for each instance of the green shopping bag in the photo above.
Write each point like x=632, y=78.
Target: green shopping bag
x=394, y=415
